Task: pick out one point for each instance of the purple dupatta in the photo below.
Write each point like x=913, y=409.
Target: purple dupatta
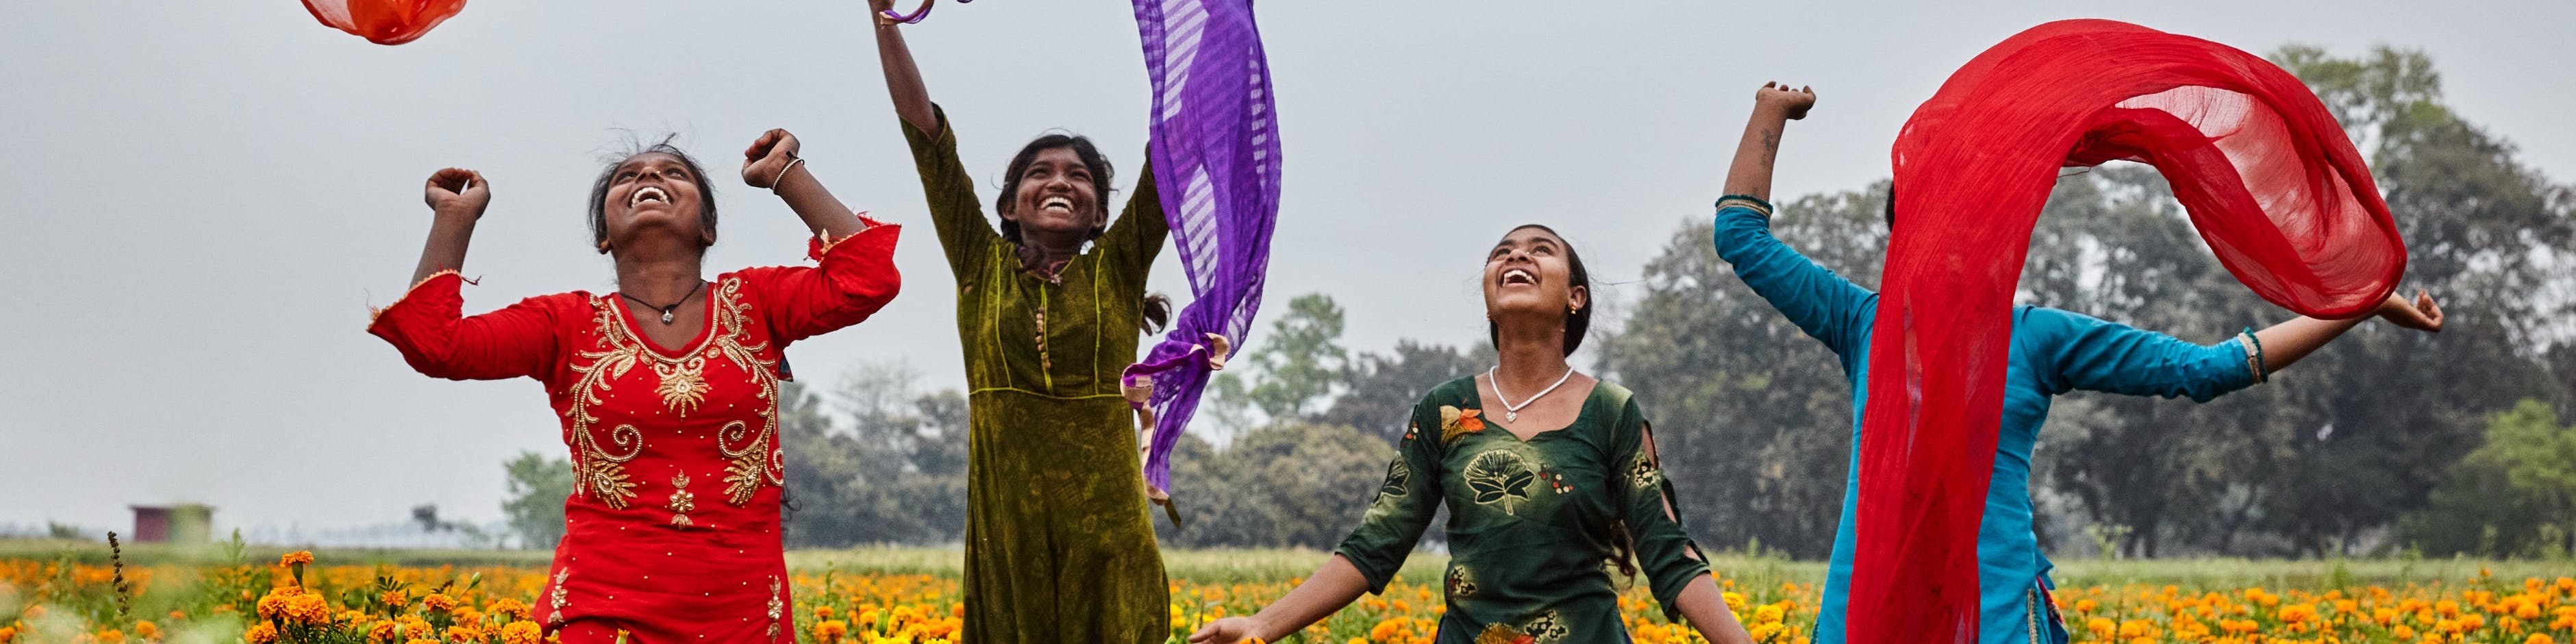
x=1215, y=151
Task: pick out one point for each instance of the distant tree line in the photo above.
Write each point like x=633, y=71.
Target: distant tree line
x=2383, y=442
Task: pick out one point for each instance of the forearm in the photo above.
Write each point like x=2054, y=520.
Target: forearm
x=449, y=233
x=1705, y=606
x=903, y=80
x=2287, y=342
x=1750, y=173
x=823, y=213
x=1334, y=586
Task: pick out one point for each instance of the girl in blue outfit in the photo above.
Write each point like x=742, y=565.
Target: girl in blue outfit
x=2053, y=352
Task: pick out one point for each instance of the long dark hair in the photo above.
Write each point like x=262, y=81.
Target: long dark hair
x=1576, y=322
x=607, y=175
x=1082, y=148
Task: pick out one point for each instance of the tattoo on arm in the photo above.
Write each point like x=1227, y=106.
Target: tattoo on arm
x=1770, y=146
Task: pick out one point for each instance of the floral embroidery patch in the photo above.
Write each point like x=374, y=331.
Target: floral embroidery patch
x=1455, y=422
x=1643, y=474
x=1397, y=475
x=1500, y=476
x=1459, y=585
x=1500, y=634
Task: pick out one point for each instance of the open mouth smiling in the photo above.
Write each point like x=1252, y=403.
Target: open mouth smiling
x=1518, y=276
x=1058, y=205
x=647, y=193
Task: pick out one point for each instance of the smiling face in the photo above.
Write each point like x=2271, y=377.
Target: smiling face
x=1534, y=274
x=1058, y=197
x=653, y=193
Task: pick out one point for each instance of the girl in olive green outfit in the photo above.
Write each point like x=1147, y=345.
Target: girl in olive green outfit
x=1059, y=545
x=1547, y=473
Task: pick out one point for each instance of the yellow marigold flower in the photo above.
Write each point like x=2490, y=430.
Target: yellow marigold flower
x=522, y=632
x=422, y=641
x=260, y=633
x=1768, y=614
x=298, y=557
x=438, y=603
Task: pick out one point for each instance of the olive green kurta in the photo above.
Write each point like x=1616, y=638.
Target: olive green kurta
x=1529, y=520
x=1059, y=545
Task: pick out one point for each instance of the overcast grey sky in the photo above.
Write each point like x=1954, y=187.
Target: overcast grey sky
x=203, y=198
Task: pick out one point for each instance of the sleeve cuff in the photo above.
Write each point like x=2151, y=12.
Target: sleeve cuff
x=1747, y=202
x=873, y=235
x=449, y=287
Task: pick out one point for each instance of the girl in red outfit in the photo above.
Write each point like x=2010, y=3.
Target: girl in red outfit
x=667, y=388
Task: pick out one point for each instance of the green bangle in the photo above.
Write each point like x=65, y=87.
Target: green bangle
x=1747, y=202
x=2254, y=355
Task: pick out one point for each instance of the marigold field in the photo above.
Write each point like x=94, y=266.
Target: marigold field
x=75, y=596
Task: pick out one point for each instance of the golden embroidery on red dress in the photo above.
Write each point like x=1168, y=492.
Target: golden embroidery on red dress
x=681, y=383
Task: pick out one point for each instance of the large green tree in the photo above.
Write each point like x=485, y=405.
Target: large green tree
x=534, y=505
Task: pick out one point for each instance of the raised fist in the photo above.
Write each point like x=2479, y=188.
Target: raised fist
x=457, y=191
x=767, y=156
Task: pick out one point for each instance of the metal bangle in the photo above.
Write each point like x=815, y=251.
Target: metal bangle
x=782, y=174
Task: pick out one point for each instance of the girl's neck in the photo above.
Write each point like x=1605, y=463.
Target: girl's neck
x=1531, y=356
x=1044, y=258
x=664, y=279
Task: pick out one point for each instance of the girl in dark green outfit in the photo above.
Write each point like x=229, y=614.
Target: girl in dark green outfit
x=1059, y=547
x=1547, y=473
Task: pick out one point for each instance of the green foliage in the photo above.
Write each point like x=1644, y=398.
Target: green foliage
x=1301, y=361
x=1284, y=485
x=1379, y=390
x=2514, y=495
x=896, y=475
x=537, y=485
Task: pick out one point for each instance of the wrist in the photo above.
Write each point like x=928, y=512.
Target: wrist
x=457, y=215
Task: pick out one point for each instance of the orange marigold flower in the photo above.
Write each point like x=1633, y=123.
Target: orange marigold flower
x=381, y=633
x=111, y=636
x=438, y=603
x=822, y=612
x=395, y=598
x=464, y=633
x=260, y=633
x=295, y=558
x=516, y=609
x=8, y=634
x=831, y=630
x=306, y=609
x=522, y=632
x=145, y=629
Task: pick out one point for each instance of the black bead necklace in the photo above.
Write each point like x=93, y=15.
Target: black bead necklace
x=666, y=310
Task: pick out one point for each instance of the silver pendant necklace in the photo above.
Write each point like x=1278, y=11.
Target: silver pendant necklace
x=1512, y=412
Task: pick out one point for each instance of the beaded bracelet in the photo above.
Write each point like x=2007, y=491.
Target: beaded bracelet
x=2254, y=355
x=1747, y=202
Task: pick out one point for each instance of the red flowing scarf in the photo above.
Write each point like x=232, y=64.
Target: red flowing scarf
x=2267, y=175
x=384, y=22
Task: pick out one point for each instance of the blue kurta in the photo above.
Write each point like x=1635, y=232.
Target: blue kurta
x=2053, y=352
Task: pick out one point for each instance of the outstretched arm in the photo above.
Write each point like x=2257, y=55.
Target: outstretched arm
x=903, y=78
x=771, y=162
x=456, y=199
x=2287, y=342
x=1334, y=586
x=1774, y=106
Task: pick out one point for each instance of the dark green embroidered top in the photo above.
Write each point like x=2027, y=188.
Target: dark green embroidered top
x=1529, y=521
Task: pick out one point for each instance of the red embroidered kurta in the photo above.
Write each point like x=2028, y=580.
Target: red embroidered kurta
x=672, y=529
